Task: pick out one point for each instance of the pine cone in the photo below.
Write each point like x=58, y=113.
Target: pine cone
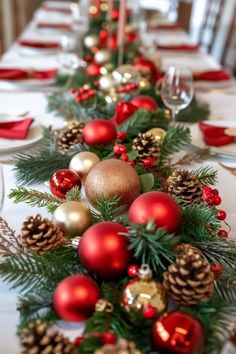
x=146, y=146
x=70, y=136
x=36, y=338
x=190, y=279
x=185, y=247
x=122, y=346
x=185, y=185
x=40, y=235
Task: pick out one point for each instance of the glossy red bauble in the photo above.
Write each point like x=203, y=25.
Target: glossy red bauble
x=75, y=298
x=146, y=67
x=108, y=337
x=133, y=270
x=159, y=207
x=99, y=131
x=145, y=102
x=62, y=181
x=124, y=110
x=93, y=70
x=104, y=251
x=178, y=333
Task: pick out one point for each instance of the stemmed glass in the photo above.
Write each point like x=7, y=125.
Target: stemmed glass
x=2, y=188
x=177, y=89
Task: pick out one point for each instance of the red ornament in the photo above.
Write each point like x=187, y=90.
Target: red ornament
x=217, y=269
x=75, y=298
x=62, y=181
x=108, y=338
x=112, y=41
x=148, y=162
x=104, y=251
x=158, y=206
x=123, y=111
x=93, y=70
x=125, y=157
x=121, y=135
x=145, y=102
x=223, y=233
x=78, y=341
x=99, y=131
x=178, y=333
x=103, y=34
x=149, y=311
x=119, y=149
x=217, y=200
x=131, y=37
x=133, y=270
x=82, y=94
x=221, y=215
x=115, y=14
x=146, y=67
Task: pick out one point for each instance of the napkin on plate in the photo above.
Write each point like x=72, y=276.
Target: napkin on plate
x=58, y=26
x=55, y=8
x=23, y=74
x=38, y=44
x=165, y=26
x=179, y=47
x=215, y=136
x=16, y=129
x=212, y=75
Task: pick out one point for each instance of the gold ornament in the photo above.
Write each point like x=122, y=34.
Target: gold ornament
x=73, y=217
x=104, y=306
x=102, y=56
x=110, y=178
x=144, y=83
x=91, y=41
x=106, y=82
x=126, y=74
x=83, y=162
x=158, y=134
x=144, y=291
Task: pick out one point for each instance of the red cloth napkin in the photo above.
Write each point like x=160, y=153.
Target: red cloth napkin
x=23, y=74
x=179, y=47
x=166, y=26
x=214, y=136
x=59, y=26
x=38, y=44
x=212, y=75
x=15, y=130
x=56, y=8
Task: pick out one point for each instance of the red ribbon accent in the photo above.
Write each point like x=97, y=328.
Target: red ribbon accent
x=179, y=47
x=16, y=129
x=212, y=75
x=23, y=74
x=123, y=111
x=215, y=136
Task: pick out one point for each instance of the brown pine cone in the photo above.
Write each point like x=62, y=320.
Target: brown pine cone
x=122, y=346
x=185, y=185
x=70, y=136
x=189, y=280
x=146, y=146
x=41, y=235
x=36, y=338
x=185, y=247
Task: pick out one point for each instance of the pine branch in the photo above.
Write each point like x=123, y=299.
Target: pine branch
x=64, y=107
x=152, y=246
x=174, y=141
x=192, y=157
x=35, y=198
x=108, y=210
x=225, y=286
x=74, y=194
x=206, y=175
x=9, y=244
x=194, y=112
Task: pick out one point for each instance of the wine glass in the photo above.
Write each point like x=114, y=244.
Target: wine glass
x=68, y=57
x=177, y=89
x=2, y=188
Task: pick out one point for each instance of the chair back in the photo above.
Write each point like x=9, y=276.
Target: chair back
x=184, y=14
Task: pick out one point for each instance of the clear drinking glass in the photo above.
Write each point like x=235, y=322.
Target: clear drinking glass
x=68, y=57
x=2, y=188
x=177, y=89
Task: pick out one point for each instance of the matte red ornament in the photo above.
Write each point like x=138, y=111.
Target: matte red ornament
x=145, y=102
x=93, y=70
x=146, y=67
x=104, y=251
x=99, y=131
x=123, y=111
x=178, y=333
x=62, y=181
x=158, y=206
x=133, y=270
x=108, y=338
x=75, y=298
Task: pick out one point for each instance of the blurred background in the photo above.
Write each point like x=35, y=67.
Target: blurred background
x=212, y=23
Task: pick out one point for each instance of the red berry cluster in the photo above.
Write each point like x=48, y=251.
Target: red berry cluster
x=108, y=337
x=127, y=88
x=121, y=150
x=83, y=94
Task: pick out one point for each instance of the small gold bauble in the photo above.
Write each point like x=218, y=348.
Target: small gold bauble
x=91, y=41
x=102, y=56
x=106, y=82
x=157, y=133
x=73, y=217
x=110, y=178
x=126, y=74
x=144, y=83
x=83, y=162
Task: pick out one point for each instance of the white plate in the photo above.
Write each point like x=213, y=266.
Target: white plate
x=209, y=85
x=36, y=52
x=197, y=138
x=27, y=83
x=35, y=134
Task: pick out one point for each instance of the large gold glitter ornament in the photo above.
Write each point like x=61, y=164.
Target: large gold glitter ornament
x=126, y=74
x=73, y=217
x=91, y=41
x=158, y=134
x=83, y=162
x=102, y=56
x=144, y=291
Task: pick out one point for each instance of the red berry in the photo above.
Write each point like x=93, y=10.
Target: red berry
x=215, y=191
x=221, y=215
x=223, y=234
x=149, y=311
x=108, y=338
x=206, y=191
x=119, y=149
x=148, y=162
x=216, y=268
x=209, y=200
x=133, y=270
x=125, y=157
x=131, y=163
x=217, y=200
x=78, y=341
x=121, y=135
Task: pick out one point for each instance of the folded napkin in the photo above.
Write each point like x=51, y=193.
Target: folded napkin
x=212, y=75
x=15, y=130
x=55, y=8
x=215, y=136
x=23, y=74
x=39, y=44
x=166, y=26
x=59, y=26
x=179, y=47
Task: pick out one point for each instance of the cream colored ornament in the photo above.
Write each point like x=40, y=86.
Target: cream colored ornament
x=144, y=83
x=157, y=133
x=106, y=82
x=91, y=41
x=73, y=217
x=102, y=56
x=83, y=162
x=126, y=74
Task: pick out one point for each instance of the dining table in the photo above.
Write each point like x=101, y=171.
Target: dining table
x=31, y=101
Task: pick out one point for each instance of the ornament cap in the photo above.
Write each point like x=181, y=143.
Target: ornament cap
x=145, y=272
